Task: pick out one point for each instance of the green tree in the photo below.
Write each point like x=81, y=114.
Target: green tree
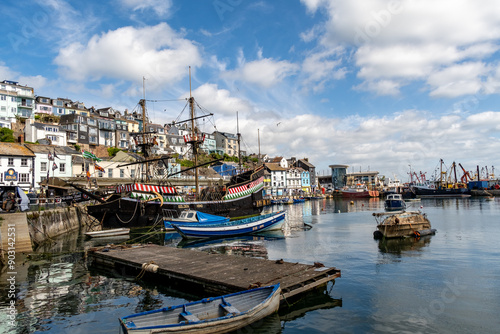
x=7, y=135
x=112, y=151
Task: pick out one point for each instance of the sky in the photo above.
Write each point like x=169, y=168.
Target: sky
x=389, y=86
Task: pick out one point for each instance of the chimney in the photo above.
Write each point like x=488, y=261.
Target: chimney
x=20, y=139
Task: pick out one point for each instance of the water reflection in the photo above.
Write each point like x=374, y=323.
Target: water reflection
x=396, y=248
x=316, y=299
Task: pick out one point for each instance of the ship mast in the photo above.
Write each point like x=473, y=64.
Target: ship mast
x=143, y=106
x=193, y=134
x=239, y=139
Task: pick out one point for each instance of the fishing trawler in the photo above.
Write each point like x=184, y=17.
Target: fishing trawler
x=442, y=186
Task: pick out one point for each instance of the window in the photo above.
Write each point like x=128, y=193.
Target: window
x=132, y=173
x=100, y=174
x=62, y=167
x=24, y=162
x=10, y=162
x=110, y=172
x=122, y=173
x=24, y=177
x=3, y=97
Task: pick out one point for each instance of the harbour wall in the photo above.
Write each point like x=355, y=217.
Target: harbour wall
x=28, y=230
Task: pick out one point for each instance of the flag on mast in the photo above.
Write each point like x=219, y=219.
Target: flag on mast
x=88, y=155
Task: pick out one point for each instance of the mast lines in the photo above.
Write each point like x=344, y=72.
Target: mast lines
x=193, y=133
x=239, y=139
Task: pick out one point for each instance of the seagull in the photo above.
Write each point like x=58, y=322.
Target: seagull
x=278, y=123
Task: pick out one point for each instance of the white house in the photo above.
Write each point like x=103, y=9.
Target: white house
x=35, y=131
x=278, y=179
x=16, y=165
x=294, y=180
x=51, y=161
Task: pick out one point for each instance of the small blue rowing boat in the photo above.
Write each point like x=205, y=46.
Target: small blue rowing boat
x=271, y=221
x=210, y=315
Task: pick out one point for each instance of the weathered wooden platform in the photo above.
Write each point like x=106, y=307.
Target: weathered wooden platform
x=213, y=274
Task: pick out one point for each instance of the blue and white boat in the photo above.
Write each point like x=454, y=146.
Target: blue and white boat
x=210, y=315
x=271, y=221
x=394, y=202
x=190, y=217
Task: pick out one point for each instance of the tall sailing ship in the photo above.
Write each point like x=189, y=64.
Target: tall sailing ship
x=139, y=204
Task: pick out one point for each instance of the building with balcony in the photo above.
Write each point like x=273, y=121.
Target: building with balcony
x=59, y=106
x=77, y=129
x=16, y=101
x=43, y=105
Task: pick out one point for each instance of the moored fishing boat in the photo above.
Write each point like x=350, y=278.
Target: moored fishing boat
x=359, y=191
x=210, y=315
x=394, y=202
x=268, y=222
x=400, y=224
x=190, y=217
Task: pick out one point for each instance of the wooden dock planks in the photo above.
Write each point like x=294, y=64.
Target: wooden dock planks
x=215, y=273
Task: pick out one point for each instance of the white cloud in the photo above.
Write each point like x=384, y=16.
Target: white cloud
x=36, y=81
x=128, y=53
x=457, y=80
x=387, y=144
x=404, y=41
x=61, y=23
x=320, y=67
x=264, y=72
x=160, y=7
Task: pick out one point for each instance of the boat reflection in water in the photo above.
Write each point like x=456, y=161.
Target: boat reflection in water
x=244, y=245
x=406, y=246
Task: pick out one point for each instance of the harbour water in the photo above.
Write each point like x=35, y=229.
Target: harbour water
x=445, y=283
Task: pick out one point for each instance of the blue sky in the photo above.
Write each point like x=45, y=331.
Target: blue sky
x=379, y=85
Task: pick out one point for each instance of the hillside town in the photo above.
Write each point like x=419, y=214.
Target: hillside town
x=51, y=135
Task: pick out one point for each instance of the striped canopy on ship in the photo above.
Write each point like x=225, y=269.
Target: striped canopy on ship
x=247, y=189
x=146, y=188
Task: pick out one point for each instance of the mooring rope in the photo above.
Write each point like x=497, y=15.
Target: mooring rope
x=133, y=215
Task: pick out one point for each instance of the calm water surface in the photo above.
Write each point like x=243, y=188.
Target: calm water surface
x=446, y=283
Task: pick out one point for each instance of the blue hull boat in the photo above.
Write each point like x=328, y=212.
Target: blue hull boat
x=271, y=221
x=190, y=217
x=395, y=202
x=210, y=315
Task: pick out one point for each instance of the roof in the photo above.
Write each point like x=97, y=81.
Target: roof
x=15, y=149
x=42, y=126
x=274, y=167
x=122, y=156
x=307, y=163
x=65, y=150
